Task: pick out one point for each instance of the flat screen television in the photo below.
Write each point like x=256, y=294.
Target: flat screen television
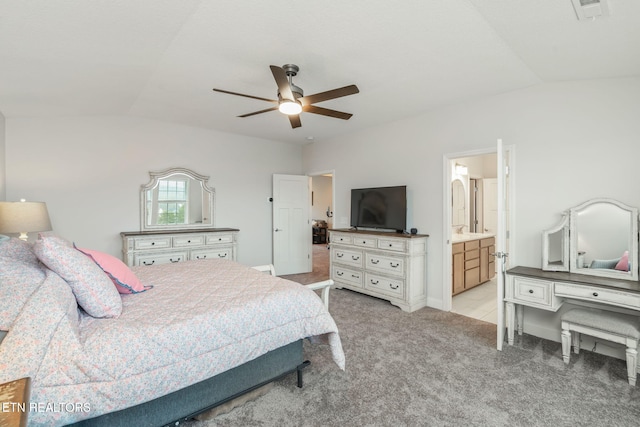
x=380, y=207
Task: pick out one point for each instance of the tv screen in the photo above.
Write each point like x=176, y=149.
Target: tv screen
x=381, y=207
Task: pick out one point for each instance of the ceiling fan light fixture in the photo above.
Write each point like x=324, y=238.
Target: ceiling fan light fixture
x=290, y=108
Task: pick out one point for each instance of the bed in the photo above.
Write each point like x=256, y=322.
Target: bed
x=187, y=336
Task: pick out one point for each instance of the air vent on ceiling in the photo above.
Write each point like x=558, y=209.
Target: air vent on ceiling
x=590, y=9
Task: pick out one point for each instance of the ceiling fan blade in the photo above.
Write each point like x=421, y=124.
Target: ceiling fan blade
x=330, y=94
x=295, y=121
x=326, y=112
x=283, y=83
x=259, y=112
x=246, y=96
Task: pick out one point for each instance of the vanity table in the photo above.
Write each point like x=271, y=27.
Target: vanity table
x=591, y=256
x=549, y=290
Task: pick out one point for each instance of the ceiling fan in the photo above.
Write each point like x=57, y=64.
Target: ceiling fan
x=291, y=100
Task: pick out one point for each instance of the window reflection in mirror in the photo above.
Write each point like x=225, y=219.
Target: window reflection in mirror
x=177, y=198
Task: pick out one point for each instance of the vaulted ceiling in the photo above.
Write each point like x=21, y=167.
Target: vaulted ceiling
x=160, y=59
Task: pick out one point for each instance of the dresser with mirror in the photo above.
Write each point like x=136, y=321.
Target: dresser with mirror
x=177, y=211
x=589, y=258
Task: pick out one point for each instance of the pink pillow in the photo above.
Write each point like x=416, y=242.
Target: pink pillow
x=126, y=282
x=623, y=264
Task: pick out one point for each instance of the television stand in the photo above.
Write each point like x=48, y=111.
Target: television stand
x=383, y=264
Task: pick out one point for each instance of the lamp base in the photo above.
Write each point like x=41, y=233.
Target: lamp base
x=23, y=236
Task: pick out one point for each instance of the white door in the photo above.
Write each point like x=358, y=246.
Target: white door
x=502, y=233
x=291, y=224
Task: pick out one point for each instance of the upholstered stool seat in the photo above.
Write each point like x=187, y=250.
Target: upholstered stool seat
x=606, y=325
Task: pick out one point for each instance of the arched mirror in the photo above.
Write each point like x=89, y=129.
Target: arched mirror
x=604, y=239
x=176, y=198
x=458, y=204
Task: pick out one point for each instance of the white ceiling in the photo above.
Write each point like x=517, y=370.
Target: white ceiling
x=161, y=58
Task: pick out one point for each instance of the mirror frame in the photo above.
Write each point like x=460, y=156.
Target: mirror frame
x=464, y=191
x=633, y=248
x=563, y=227
x=157, y=176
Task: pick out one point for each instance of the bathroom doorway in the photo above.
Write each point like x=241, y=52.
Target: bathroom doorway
x=474, y=222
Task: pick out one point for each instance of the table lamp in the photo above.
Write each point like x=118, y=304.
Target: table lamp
x=23, y=217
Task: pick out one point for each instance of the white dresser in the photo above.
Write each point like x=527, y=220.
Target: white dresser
x=163, y=247
x=385, y=265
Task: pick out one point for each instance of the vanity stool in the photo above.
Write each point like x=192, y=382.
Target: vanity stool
x=607, y=325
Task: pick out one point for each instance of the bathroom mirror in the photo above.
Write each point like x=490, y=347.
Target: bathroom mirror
x=604, y=239
x=176, y=198
x=555, y=246
x=458, y=204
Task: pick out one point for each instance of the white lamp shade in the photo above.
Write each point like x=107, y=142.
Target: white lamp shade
x=23, y=217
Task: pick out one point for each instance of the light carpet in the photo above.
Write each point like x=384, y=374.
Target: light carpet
x=433, y=368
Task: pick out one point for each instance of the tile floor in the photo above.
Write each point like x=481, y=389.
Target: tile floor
x=478, y=303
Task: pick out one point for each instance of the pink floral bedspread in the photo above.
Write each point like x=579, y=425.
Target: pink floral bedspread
x=201, y=318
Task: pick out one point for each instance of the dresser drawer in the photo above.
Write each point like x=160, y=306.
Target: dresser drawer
x=457, y=248
x=386, y=264
x=385, y=285
x=219, y=238
x=471, y=244
x=185, y=241
x=345, y=275
x=596, y=294
x=353, y=258
x=365, y=242
x=489, y=241
x=341, y=238
x=473, y=263
x=532, y=291
x=152, y=243
x=217, y=253
x=162, y=258
x=392, y=245
x=473, y=254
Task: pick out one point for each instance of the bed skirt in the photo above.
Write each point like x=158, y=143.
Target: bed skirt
x=188, y=402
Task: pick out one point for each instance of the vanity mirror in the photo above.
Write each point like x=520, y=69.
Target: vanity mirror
x=603, y=240
x=176, y=198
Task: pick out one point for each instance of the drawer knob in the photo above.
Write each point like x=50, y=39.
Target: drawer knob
x=188, y=241
x=222, y=255
x=374, y=282
x=530, y=291
x=394, y=266
x=355, y=258
x=148, y=263
x=355, y=276
x=390, y=245
x=339, y=255
x=364, y=242
x=201, y=257
x=153, y=243
x=177, y=260
x=393, y=287
x=595, y=294
x=375, y=261
x=339, y=273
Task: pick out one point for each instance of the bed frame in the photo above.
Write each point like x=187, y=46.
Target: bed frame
x=184, y=404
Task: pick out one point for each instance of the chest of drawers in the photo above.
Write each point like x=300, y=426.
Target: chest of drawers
x=163, y=247
x=391, y=267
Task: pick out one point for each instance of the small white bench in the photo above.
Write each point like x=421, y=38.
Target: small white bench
x=325, y=285
x=606, y=325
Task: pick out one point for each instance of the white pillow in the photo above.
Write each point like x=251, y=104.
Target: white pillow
x=92, y=288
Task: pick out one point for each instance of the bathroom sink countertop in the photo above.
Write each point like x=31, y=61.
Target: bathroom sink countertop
x=464, y=237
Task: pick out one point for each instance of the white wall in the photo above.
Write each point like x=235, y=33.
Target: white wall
x=89, y=171
x=573, y=141
x=3, y=174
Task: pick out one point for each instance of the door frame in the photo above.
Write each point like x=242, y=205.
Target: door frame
x=447, y=158
x=333, y=197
